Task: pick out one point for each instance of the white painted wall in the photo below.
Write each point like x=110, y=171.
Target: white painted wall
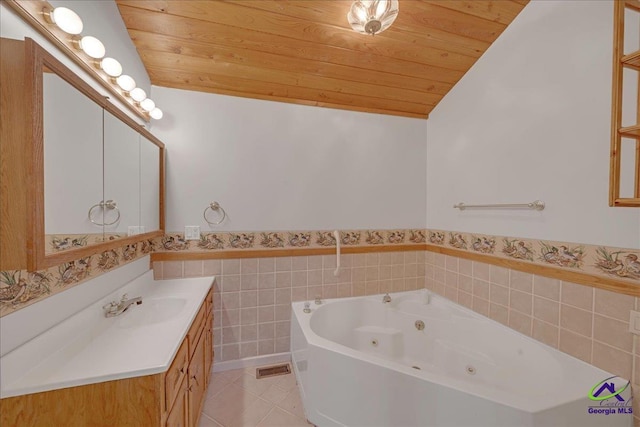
x=277, y=166
x=531, y=120
x=101, y=19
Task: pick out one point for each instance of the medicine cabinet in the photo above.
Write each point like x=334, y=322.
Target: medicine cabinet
x=77, y=176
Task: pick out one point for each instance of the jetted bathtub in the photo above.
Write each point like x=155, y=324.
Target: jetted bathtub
x=360, y=362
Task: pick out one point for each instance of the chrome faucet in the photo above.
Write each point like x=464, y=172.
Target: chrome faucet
x=114, y=308
x=386, y=299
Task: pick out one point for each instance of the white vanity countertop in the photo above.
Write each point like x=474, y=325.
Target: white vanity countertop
x=90, y=348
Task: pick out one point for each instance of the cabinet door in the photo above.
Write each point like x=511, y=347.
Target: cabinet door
x=197, y=380
x=178, y=416
x=208, y=347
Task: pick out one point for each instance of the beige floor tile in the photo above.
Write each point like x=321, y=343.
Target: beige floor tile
x=230, y=405
x=207, y=422
x=287, y=382
x=293, y=404
x=253, y=385
x=279, y=418
x=274, y=394
x=252, y=414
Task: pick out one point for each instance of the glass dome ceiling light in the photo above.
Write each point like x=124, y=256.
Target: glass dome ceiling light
x=372, y=16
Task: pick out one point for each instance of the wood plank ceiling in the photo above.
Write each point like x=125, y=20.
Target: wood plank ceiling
x=305, y=52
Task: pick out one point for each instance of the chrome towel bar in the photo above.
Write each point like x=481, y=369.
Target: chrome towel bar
x=537, y=205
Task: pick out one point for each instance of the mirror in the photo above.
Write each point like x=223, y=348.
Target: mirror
x=68, y=155
x=150, y=177
x=121, y=177
x=95, y=176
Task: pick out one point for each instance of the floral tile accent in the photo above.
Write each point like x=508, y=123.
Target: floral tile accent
x=374, y=237
x=300, y=239
x=63, y=243
x=436, y=237
x=483, y=244
x=350, y=238
x=395, y=237
x=518, y=249
x=148, y=246
x=241, y=240
x=174, y=243
x=271, y=240
x=108, y=260
x=74, y=271
x=325, y=238
x=417, y=236
x=18, y=287
x=211, y=241
x=457, y=241
x=563, y=256
x=129, y=252
x=618, y=263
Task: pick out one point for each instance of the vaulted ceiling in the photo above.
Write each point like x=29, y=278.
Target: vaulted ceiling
x=304, y=51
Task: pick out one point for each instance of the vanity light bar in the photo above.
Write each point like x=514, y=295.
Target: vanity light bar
x=69, y=22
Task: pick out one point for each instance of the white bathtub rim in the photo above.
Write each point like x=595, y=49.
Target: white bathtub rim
x=521, y=403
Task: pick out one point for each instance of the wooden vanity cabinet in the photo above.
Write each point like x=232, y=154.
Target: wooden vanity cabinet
x=169, y=399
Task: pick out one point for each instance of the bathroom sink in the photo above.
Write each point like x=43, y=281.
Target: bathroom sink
x=152, y=311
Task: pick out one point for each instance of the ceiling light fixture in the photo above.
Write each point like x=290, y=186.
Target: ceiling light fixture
x=66, y=19
x=111, y=67
x=92, y=47
x=156, y=113
x=126, y=83
x=138, y=94
x=93, y=60
x=148, y=105
x=372, y=16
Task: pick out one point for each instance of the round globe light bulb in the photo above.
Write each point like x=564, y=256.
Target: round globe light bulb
x=138, y=94
x=111, y=67
x=126, y=83
x=148, y=105
x=156, y=113
x=92, y=47
x=67, y=20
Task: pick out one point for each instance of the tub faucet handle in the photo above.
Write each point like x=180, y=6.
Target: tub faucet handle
x=307, y=307
x=386, y=299
x=318, y=300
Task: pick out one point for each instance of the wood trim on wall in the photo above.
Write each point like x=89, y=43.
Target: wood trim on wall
x=268, y=253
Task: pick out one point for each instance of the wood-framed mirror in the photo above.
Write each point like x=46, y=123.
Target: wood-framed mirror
x=83, y=164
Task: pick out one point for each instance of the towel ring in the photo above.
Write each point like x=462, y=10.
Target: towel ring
x=214, y=206
x=109, y=204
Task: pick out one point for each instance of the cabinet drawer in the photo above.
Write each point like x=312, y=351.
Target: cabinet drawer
x=176, y=373
x=196, y=328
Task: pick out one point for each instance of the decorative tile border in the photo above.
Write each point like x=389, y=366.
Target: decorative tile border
x=265, y=240
x=20, y=288
x=63, y=242
x=618, y=263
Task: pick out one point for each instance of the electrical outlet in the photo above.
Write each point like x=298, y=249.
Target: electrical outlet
x=192, y=232
x=634, y=322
